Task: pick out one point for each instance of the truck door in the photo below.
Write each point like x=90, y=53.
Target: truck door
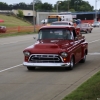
x=77, y=44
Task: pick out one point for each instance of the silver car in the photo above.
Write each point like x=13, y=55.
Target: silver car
x=96, y=24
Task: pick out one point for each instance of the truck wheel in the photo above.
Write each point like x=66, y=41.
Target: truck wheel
x=30, y=68
x=90, y=31
x=71, y=64
x=86, y=31
x=83, y=59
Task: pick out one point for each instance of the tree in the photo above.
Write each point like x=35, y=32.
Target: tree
x=66, y=5
x=43, y=6
x=46, y=6
x=71, y=10
x=20, y=13
x=38, y=6
x=4, y=6
x=61, y=6
x=80, y=5
x=77, y=5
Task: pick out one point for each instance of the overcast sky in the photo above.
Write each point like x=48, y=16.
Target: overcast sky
x=92, y=2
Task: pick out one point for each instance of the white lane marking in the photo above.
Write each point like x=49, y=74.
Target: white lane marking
x=95, y=53
x=94, y=41
x=11, y=68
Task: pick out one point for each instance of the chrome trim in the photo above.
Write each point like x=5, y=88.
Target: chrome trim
x=59, y=58
x=46, y=64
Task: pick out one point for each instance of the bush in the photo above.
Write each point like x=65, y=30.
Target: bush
x=20, y=14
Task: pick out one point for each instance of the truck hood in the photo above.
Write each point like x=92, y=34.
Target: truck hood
x=49, y=46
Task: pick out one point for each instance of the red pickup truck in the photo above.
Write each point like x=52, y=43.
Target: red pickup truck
x=57, y=46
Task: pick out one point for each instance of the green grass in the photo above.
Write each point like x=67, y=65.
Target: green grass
x=90, y=90
x=11, y=21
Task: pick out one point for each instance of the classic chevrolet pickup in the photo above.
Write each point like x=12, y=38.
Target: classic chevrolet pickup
x=57, y=46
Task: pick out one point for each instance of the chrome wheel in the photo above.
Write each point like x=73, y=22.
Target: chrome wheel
x=71, y=63
x=83, y=59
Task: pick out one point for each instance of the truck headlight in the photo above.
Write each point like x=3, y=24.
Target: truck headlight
x=26, y=53
x=64, y=54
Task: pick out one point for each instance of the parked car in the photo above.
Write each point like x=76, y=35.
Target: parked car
x=57, y=46
x=2, y=29
x=85, y=27
x=96, y=24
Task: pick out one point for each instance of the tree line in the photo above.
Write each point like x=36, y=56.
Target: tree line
x=66, y=5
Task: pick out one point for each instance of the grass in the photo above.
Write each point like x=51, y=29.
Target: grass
x=90, y=90
x=11, y=21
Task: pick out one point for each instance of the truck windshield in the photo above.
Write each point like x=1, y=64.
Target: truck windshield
x=54, y=34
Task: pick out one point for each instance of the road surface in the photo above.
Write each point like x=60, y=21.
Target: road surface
x=17, y=83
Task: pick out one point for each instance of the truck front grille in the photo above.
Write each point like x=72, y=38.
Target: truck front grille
x=45, y=58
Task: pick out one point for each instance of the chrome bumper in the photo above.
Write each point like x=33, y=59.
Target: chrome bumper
x=46, y=64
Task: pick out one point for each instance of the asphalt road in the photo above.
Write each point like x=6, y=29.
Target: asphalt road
x=17, y=83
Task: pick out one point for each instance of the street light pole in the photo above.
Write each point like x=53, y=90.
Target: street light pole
x=33, y=17
x=96, y=9
x=77, y=5
x=58, y=5
x=68, y=4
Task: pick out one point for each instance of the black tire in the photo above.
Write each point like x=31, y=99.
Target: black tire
x=86, y=31
x=30, y=68
x=71, y=64
x=83, y=59
x=90, y=31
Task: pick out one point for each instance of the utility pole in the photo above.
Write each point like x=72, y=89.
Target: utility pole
x=33, y=17
x=68, y=4
x=96, y=9
x=57, y=6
